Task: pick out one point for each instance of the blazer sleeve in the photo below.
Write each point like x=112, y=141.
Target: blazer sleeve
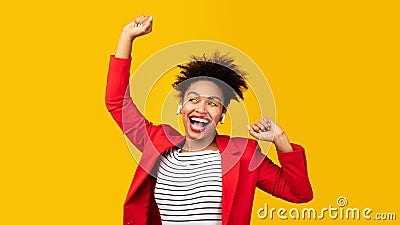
x=120, y=105
x=290, y=181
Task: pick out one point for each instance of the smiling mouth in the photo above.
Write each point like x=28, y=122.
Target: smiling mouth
x=198, y=124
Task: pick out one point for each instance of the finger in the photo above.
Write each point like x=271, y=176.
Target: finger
x=133, y=24
x=139, y=18
x=253, y=133
x=136, y=22
x=143, y=19
x=266, y=119
x=147, y=24
x=260, y=125
x=255, y=127
x=148, y=20
x=271, y=123
x=265, y=124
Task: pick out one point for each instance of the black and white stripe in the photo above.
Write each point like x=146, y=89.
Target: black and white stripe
x=189, y=187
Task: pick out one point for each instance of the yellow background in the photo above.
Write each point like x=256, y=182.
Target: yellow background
x=332, y=66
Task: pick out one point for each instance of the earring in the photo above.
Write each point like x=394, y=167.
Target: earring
x=178, y=111
x=222, y=118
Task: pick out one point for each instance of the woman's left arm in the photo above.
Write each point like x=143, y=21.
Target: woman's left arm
x=290, y=181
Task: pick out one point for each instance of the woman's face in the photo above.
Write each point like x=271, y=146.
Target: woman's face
x=202, y=108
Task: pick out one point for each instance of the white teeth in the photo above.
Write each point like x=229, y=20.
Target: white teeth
x=199, y=120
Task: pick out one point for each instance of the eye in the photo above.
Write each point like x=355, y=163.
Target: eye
x=194, y=99
x=212, y=103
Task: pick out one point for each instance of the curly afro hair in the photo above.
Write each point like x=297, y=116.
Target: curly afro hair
x=219, y=69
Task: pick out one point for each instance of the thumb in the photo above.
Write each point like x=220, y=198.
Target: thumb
x=148, y=21
x=254, y=133
x=147, y=25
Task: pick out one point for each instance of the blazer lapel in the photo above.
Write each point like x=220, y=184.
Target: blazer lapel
x=230, y=163
x=166, y=140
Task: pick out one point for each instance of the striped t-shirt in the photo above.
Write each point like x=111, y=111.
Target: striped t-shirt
x=189, y=187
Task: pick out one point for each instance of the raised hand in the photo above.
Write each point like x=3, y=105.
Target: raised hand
x=267, y=130
x=263, y=129
x=140, y=26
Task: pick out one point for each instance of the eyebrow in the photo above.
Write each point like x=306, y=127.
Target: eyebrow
x=210, y=97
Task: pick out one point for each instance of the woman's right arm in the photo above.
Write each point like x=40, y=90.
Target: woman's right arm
x=118, y=100
x=142, y=25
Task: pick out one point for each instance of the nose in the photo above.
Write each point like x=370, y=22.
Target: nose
x=201, y=107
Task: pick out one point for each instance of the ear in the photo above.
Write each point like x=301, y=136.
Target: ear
x=222, y=118
x=178, y=110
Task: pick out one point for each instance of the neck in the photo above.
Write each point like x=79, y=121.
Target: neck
x=198, y=145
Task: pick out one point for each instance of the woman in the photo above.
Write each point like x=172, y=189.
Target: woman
x=202, y=177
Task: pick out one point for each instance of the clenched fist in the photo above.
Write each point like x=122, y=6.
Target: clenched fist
x=264, y=129
x=267, y=130
x=140, y=26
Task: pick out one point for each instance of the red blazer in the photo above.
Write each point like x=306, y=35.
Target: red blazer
x=244, y=167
